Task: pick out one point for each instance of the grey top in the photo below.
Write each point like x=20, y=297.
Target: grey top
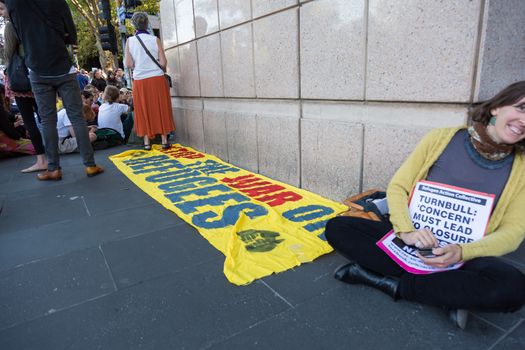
x=462, y=166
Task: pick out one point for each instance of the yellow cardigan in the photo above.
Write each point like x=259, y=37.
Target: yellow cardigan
x=506, y=229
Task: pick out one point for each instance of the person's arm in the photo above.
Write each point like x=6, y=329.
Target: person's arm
x=400, y=187
x=510, y=232
x=67, y=123
x=69, y=24
x=128, y=60
x=505, y=239
x=71, y=131
x=162, y=56
x=124, y=108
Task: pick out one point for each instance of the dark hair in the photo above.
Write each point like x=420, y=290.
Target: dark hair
x=481, y=111
x=111, y=94
x=85, y=93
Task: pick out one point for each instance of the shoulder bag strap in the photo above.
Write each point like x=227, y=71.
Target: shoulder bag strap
x=147, y=51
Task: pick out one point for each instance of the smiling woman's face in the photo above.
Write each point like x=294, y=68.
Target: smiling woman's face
x=510, y=123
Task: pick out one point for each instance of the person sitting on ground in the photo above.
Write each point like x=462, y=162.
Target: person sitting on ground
x=11, y=142
x=96, y=104
x=114, y=115
x=98, y=80
x=112, y=80
x=125, y=97
x=488, y=157
x=67, y=141
x=119, y=75
x=82, y=79
x=87, y=100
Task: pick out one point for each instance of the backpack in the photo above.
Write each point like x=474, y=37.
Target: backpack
x=107, y=137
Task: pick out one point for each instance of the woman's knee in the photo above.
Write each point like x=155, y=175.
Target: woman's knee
x=508, y=291
x=333, y=228
x=516, y=291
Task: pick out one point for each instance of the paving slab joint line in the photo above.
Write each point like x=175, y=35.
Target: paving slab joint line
x=277, y=294
x=156, y=229
x=212, y=343
x=166, y=274
x=54, y=311
x=121, y=209
x=85, y=205
x=109, y=268
x=483, y=319
x=506, y=334
x=321, y=276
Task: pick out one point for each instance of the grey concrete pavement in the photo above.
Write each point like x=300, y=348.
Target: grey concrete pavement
x=95, y=263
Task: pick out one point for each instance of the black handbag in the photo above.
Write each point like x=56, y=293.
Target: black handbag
x=18, y=74
x=168, y=78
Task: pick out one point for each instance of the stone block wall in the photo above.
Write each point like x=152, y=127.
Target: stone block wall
x=332, y=95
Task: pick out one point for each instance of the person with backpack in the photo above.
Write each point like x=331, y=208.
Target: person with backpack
x=48, y=36
x=25, y=100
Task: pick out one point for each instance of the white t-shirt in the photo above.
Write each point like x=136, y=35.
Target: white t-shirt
x=63, y=124
x=144, y=65
x=109, y=116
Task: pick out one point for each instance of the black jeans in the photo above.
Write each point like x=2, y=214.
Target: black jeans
x=484, y=284
x=28, y=108
x=45, y=91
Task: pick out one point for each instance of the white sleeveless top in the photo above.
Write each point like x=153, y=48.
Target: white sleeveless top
x=144, y=66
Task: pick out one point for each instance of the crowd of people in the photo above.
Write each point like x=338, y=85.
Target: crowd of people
x=100, y=78
x=111, y=108
x=66, y=109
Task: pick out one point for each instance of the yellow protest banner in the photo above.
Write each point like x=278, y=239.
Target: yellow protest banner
x=262, y=226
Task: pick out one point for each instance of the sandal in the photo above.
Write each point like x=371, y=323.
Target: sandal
x=147, y=147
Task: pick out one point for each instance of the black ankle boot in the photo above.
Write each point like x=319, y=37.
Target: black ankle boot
x=354, y=273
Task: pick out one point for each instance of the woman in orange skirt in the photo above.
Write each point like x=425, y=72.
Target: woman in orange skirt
x=151, y=96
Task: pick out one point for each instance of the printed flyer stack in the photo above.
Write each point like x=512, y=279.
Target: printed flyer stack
x=455, y=215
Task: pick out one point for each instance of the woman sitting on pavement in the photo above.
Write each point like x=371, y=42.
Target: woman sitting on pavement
x=11, y=142
x=87, y=100
x=98, y=80
x=489, y=157
x=95, y=105
x=114, y=115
